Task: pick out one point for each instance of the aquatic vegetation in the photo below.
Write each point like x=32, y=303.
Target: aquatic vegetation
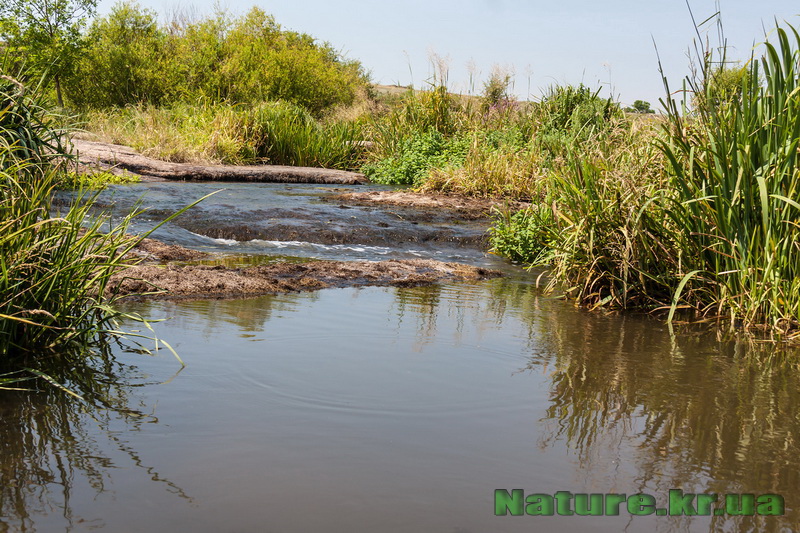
x=54, y=266
x=51, y=268
x=701, y=216
x=94, y=180
x=735, y=178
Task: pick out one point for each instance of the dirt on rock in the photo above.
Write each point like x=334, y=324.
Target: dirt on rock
x=464, y=207
x=216, y=281
x=151, y=250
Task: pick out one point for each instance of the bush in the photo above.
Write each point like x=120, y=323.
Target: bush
x=131, y=60
x=416, y=156
x=126, y=61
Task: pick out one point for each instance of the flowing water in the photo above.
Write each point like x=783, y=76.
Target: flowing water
x=394, y=409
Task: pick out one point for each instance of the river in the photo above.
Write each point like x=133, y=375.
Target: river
x=387, y=409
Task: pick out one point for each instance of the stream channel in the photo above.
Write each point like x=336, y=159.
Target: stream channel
x=391, y=409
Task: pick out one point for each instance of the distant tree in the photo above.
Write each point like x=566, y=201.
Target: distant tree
x=45, y=34
x=640, y=106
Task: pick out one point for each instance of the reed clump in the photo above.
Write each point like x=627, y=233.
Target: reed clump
x=53, y=269
x=735, y=179
x=695, y=212
x=56, y=317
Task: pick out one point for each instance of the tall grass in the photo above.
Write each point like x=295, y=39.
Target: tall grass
x=509, y=145
x=703, y=215
x=53, y=271
x=55, y=310
x=272, y=132
x=736, y=179
x=595, y=222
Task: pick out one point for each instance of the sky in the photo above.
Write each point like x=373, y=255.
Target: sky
x=608, y=45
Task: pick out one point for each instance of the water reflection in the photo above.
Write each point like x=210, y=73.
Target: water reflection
x=643, y=409
x=248, y=315
x=375, y=396
x=688, y=411
x=56, y=448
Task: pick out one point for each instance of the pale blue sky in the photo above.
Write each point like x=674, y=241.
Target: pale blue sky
x=608, y=43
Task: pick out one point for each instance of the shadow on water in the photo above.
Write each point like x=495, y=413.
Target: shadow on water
x=57, y=448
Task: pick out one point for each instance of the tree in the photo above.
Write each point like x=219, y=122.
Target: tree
x=126, y=60
x=46, y=34
x=640, y=106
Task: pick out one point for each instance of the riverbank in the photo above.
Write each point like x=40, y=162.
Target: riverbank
x=107, y=157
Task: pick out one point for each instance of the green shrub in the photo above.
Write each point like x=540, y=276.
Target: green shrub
x=130, y=59
x=522, y=236
x=127, y=60
x=416, y=156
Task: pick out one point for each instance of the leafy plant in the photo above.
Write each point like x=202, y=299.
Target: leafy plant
x=416, y=156
x=523, y=236
x=46, y=35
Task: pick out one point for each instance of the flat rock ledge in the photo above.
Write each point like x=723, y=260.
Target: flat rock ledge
x=116, y=158
x=466, y=207
x=175, y=281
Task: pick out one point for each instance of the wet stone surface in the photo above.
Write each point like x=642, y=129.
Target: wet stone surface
x=302, y=220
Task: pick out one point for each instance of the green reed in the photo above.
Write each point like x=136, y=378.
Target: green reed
x=55, y=308
x=736, y=179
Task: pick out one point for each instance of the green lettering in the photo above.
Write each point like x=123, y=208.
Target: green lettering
x=740, y=504
x=540, y=505
x=680, y=503
x=613, y=502
x=641, y=505
x=771, y=505
x=589, y=504
x=704, y=502
x=563, y=499
x=505, y=502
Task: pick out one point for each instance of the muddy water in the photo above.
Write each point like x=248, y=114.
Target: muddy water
x=402, y=410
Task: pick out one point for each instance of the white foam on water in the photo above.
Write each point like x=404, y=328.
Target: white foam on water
x=226, y=242
x=361, y=248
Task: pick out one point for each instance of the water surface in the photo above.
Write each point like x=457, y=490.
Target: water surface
x=402, y=410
